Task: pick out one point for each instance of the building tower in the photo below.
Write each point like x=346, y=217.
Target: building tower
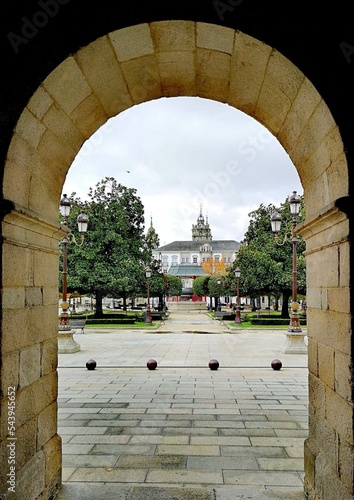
x=201, y=230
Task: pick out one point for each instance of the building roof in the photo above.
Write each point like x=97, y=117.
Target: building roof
x=194, y=246
x=187, y=270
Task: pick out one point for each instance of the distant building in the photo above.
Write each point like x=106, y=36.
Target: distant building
x=185, y=258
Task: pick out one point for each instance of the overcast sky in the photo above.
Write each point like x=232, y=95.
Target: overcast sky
x=184, y=153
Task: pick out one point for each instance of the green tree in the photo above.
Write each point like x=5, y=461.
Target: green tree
x=216, y=290
x=111, y=259
x=201, y=286
x=266, y=267
x=173, y=285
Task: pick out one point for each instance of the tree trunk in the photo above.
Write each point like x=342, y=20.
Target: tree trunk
x=99, y=308
x=285, y=305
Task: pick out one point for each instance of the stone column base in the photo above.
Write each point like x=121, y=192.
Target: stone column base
x=66, y=343
x=295, y=343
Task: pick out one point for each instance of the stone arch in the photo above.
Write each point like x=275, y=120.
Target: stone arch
x=122, y=69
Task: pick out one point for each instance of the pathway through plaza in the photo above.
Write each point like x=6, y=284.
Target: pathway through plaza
x=182, y=431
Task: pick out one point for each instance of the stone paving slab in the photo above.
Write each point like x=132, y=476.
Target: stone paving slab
x=182, y=432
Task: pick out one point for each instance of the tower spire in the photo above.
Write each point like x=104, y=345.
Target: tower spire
x=201, y=230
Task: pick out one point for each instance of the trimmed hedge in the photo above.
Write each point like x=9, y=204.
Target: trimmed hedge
x=111, y=321
x=273, y=321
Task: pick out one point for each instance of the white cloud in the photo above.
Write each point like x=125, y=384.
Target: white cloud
x=183, y=153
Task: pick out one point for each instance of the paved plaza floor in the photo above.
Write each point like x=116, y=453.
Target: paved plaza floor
x=182, y=431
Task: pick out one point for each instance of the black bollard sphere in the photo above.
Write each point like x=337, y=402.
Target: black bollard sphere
x=91, y=364
x=213, y=364
x=151, y=364
x=276, y=364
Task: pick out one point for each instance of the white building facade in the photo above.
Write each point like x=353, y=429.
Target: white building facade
x=201, y=248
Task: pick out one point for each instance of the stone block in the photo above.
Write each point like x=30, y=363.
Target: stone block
x=343, y=374
x=184, y=63
x=47, y=425
x=210, y=65
x=216, y=38
x=326, y=364
x=49, y=350
x=10, y=370
x=53, y=457
x=338, y=299
x=31, y=478
x=67, y=85
x=99, y=64
x=30, y=128
x=173, y=35
x=26, y=442
x=58, y=122
x=280, y=86
x=13, y=323
x=339, y=413
x=142, y=78
x=13, y=298
x=346, y=464
x=43, y=262
x=40, y=102
x=89, y=115
x=249, y=63
x=33, y=297
x=312, y=356
x=18, y=153
x=302, y=107
x=29, y=365
x=132, y=43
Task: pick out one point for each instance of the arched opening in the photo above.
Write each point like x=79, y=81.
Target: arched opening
x=127, y=67
x=184, y=153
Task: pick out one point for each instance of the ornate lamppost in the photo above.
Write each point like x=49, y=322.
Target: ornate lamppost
x=162, y=296
x=238, y=315
x=295, y=343
x=148, y=310
x=66, y=343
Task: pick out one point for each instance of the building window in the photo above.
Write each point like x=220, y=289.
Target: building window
x=195, y=259
x=217, y=259
x=174, y=260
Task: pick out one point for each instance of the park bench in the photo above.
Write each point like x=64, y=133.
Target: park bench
x=78, y=324
x=159, y=315
x=223, y=315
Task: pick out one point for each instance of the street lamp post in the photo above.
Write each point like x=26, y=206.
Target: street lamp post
x=162, y=296
x=218, y=283
x=295, y=343
x=238, y=316
x=66, y=343
x=148, y=310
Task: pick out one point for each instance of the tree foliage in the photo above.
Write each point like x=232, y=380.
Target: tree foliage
x=201, y=286
x=266, y=267
x=112, y=258
x=214, y=268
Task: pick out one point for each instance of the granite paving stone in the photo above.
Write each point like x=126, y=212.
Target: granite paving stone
x=182, y=429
